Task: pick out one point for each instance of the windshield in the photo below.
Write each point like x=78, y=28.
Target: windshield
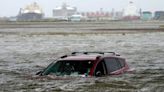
x=69, y=67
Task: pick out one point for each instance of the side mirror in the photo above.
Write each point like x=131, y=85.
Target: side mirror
x=98, y=74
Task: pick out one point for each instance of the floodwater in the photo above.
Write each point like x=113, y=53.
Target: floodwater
x=22, y=55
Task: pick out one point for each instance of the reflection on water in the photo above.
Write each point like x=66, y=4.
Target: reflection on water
x=21, y=56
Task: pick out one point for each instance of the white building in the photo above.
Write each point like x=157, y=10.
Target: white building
x=64, y=12
x=131, y=12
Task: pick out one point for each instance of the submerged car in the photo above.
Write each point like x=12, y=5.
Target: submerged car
x=87, y=64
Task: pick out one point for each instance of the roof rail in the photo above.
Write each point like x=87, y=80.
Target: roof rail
x=74, y=53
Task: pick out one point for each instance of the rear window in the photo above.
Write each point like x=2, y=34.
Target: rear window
x=122, y=62
x=112, y=65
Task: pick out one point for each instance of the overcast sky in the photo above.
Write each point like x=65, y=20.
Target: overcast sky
x=11, y=7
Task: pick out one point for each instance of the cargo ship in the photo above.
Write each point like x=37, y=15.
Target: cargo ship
x=30, y=12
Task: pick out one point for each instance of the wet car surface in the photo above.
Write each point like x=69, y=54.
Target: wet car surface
x=23, y=55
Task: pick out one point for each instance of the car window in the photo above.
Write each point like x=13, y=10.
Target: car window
x=68, y=67
x=122, y=62
x=112, y=65
x=53, y=67
x=100, y=69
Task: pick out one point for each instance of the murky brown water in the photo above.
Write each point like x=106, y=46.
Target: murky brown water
x=21, y=56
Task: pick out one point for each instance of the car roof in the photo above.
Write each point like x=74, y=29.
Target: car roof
x=87, y=56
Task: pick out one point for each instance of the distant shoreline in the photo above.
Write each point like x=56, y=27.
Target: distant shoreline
x=81, y=27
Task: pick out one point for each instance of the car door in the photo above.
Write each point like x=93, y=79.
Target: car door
x=100, y=69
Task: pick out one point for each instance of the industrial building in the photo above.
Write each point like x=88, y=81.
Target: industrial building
x=98, y=15
x=64, y=12
x=30, y=12
x=146, y=15
x=117, y=15
x=159, y=15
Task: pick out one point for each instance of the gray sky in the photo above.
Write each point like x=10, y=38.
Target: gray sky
x=11, y=7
